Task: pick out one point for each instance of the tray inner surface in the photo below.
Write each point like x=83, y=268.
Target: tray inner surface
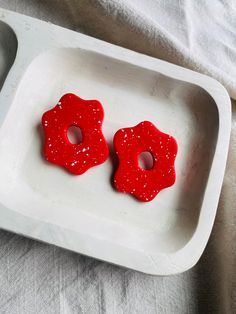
x=88, y=203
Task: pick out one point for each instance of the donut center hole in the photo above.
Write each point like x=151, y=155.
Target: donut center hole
x=74, y=135
x=145, y=160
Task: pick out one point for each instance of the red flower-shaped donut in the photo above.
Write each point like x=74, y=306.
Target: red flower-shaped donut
x=130, y=178
x=88, y=116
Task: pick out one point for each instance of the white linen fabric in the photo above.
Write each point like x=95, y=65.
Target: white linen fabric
x=39, y=278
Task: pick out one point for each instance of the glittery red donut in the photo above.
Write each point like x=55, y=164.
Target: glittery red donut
x=88, y=116
x=130, y=178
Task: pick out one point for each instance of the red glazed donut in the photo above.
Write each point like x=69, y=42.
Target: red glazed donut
x=88, y=116
x=129, y=143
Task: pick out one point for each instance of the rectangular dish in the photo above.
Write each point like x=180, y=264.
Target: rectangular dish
x=39, y=63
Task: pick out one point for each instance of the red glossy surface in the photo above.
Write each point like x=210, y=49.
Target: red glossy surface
x=88, y=116
x=130, y=178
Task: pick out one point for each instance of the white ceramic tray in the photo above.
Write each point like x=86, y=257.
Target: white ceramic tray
x=39, y=63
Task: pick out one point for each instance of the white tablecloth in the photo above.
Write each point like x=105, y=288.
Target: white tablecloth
x=38, y=278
